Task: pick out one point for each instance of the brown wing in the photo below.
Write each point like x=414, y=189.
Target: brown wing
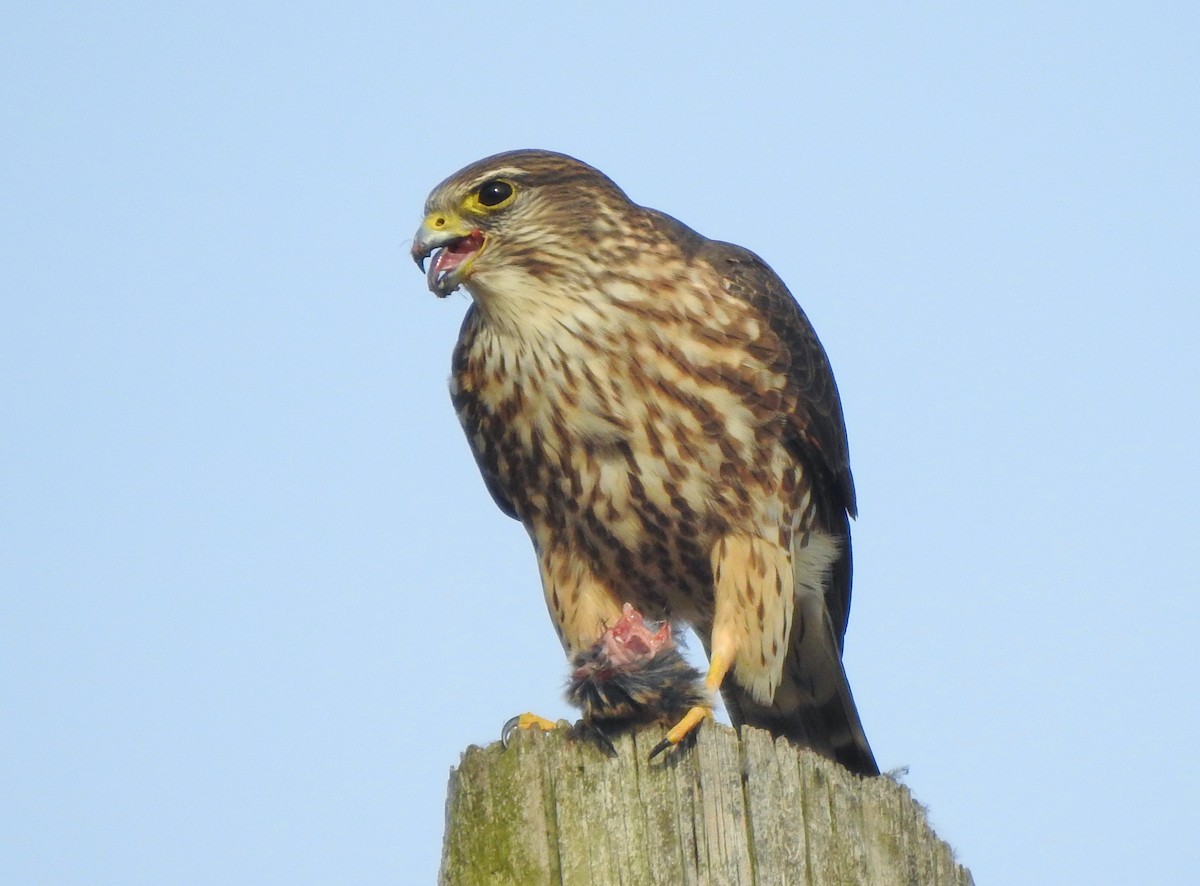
x=816, y=431
x=462, y=394
x=816, y=435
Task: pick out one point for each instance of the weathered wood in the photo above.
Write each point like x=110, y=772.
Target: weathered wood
x=552, y=809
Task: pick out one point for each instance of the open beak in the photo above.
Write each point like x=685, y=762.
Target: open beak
x=452, y=246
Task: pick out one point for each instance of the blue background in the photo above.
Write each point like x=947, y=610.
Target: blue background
x=254, y=599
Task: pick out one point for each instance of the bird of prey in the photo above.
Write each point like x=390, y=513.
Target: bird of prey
x=657, y=411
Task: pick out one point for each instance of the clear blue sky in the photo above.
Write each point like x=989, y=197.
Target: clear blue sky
x=254, y=599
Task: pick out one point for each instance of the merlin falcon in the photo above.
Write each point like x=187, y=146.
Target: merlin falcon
x=658, y=412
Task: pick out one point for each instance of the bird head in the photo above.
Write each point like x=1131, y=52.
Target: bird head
x=529, y=213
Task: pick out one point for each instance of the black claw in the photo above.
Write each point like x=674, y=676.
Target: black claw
x=590, y=731
x=506, y=730
x=606, y=743
x=659, y=748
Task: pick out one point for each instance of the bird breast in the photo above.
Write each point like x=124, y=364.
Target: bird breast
x=635, y=441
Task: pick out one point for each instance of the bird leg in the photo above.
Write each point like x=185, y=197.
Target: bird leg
x=718, y=666
x=749, y=578
x=581, y=608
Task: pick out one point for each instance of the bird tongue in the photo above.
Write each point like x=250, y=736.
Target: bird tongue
x=443, y=261
x=450, y=257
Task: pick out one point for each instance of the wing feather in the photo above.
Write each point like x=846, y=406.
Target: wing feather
x=812, y=408
x=462, y=394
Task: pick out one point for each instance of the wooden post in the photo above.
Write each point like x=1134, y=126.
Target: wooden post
x=553, y=809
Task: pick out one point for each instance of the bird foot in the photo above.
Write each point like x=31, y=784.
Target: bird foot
x=682, y=730
x=525, y=721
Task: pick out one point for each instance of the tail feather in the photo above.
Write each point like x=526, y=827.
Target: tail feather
x=813, y=705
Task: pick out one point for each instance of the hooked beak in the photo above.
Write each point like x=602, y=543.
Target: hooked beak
x=453, y=246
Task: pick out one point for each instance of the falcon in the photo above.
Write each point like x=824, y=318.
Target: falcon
x=658, y=412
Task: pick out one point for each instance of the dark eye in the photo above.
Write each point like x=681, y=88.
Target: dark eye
x=494, y=192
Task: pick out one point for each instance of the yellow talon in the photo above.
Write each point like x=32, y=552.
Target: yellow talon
x=690, y=721
x=681, y=730
x=718, y=667
x=525, y=721
x=528, y=721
